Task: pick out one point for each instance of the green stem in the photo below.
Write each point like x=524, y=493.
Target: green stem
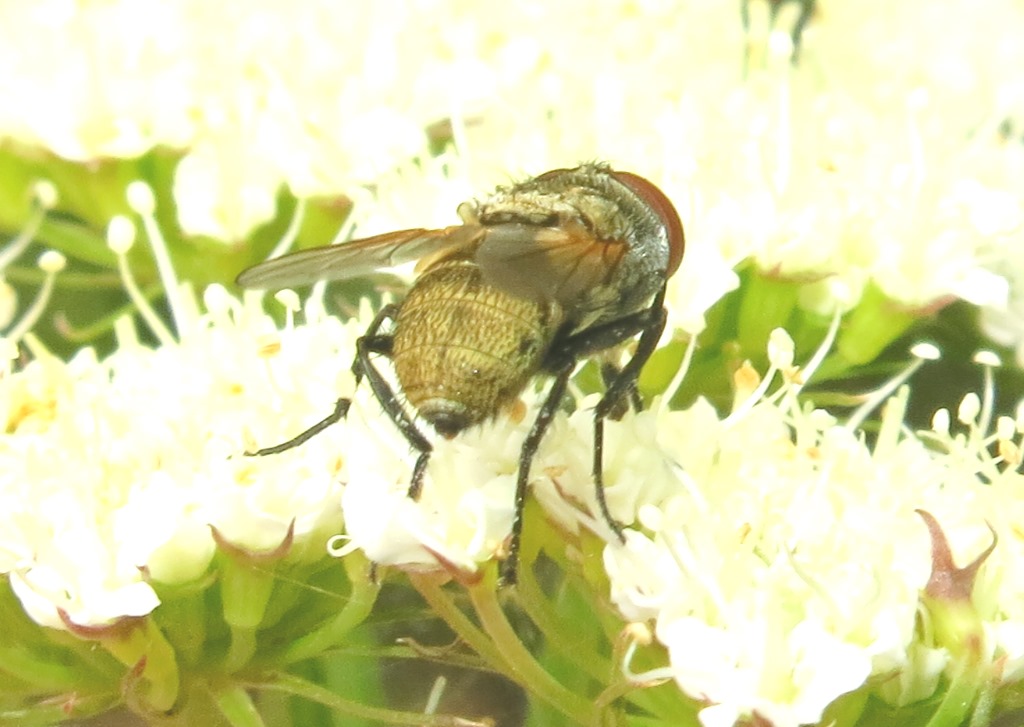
x=46, y=714
x=298, y=687
x=524, y=668
x=67, y=280
x=986, y=703
x=538, y=608
x=146, y=644
x=360, y=605
x=237, y=706
x=38, y=673
x=430, y=588
x=961, y=694
x=245, y=592
x=241, y=650
x=182, y=618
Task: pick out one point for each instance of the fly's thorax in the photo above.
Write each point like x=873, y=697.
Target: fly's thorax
x=463, y=350
x=592, y=198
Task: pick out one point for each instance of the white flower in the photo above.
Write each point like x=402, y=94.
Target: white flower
x=464, y=512
x=785, y=566
x=854, y=170
x=114, y=472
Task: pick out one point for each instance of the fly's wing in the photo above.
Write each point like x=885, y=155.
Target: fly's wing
x=359, y=257
x=564, y=263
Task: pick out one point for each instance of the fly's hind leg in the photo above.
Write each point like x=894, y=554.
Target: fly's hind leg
x=340, y=410
x=510, y=568
x=341, y=406
x=376, y=343
x=371, y=342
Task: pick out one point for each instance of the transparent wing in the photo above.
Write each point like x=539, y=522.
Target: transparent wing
x=564, y=263
x=359, y=257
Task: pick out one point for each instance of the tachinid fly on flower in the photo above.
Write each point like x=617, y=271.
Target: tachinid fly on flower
x=539, y=275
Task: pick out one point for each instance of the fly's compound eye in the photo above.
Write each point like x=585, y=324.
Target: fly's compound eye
x=664, y=209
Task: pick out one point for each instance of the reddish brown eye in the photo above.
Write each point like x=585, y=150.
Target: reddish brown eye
x=546, y=176
x=665, y=210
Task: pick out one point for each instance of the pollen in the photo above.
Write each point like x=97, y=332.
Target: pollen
x=34, y=414
x=556, y=471
x=746, y=380
x=269, y=347
x=336, y=465
x=517, y=411
x=246, y=476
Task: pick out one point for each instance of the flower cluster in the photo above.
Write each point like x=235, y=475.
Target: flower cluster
x=900, y=156
x=786, y=568
x=791, y=553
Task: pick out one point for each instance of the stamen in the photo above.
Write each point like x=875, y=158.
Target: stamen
x=989, y=361
x=921, y=352
x=1005, y=427
x=141, y=200
x=968, y=410
x=292, y=305
x=830, y=603
x=823, y=349
x=740, y=411
x=434, y=698
x=51, y=262
x=1018, y=416
x=640, y=635
x=892, y=419
x=46, y=198
x=680, y=374
x=780, y=349
x=120, y=238
x=338, y=546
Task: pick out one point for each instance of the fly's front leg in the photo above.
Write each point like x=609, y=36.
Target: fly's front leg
x=649, y=323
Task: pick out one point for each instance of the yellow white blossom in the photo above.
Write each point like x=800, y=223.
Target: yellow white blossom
x=115, y=471
x=881, y=151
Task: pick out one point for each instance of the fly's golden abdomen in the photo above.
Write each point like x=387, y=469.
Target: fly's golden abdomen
x=463, y=349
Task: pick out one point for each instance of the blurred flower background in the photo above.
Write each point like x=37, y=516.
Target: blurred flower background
x=822, y=498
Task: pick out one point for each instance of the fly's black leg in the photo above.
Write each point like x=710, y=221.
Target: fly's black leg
x=631, y=398
x=371, y=342
x=625, y=382
x=374, y=342
x=649, y=323
x=341, y=406
x=510, y=568
x=607, y=335
x=340, y=410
